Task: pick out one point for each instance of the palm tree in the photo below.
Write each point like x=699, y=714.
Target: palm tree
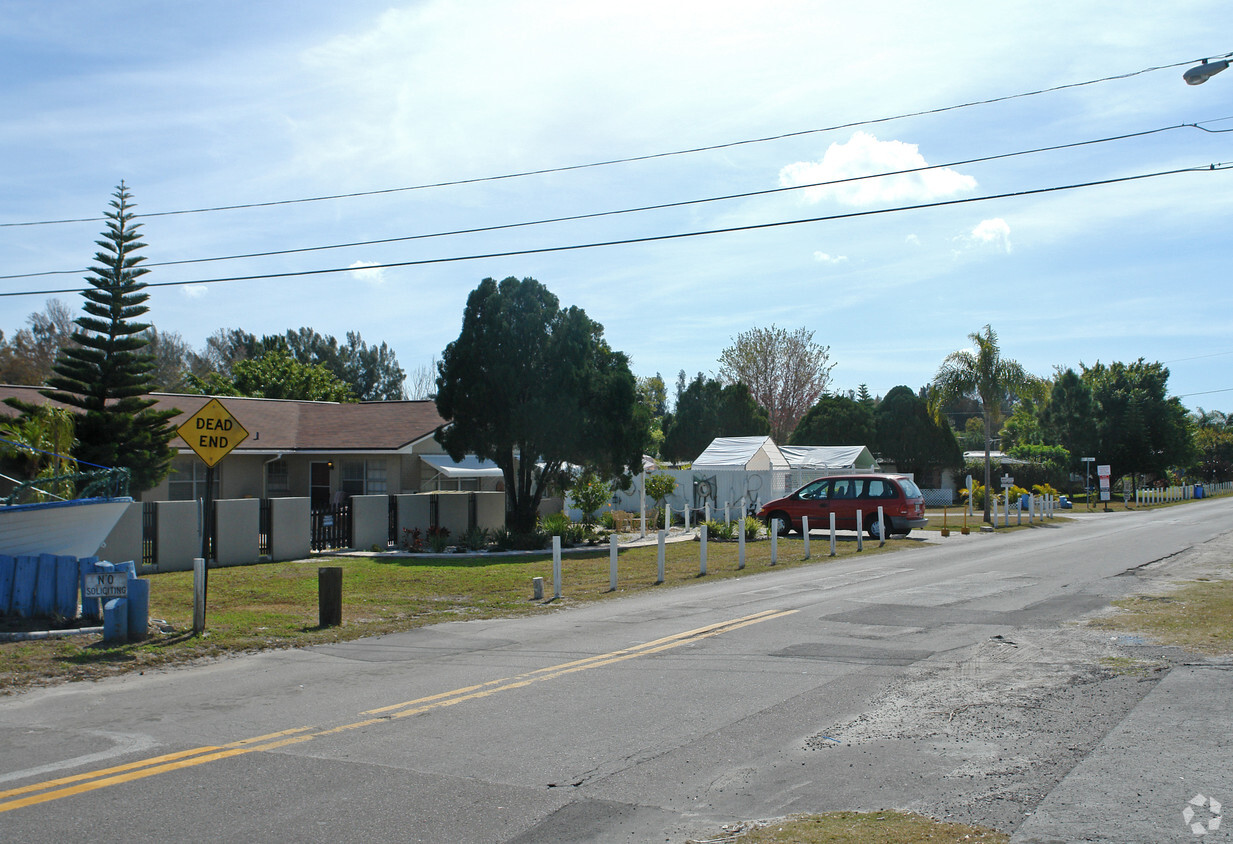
x=983, y=371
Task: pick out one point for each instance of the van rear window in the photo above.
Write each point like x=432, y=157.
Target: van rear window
x=910, y=489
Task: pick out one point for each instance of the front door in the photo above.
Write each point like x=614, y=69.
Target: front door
x=319, y=486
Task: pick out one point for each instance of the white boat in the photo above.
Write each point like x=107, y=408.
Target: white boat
x=74, y=528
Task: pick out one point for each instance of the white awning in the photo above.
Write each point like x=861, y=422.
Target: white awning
x=829, y=457
x=469, y=467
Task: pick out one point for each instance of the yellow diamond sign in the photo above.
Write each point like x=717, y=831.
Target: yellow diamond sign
x=212, y=432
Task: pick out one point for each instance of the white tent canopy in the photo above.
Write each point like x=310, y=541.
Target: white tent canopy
x=817, y=457
x=470, y=466
x=753, y=454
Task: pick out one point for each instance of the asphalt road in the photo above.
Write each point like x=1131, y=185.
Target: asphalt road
x=944, y=679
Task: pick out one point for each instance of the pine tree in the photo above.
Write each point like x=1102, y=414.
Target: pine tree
x=106, y=373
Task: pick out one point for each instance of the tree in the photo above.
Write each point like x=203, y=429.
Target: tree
x=371, y=372
x=910, y=437
x=707, y=409
x=653, y=396
x=29, y=357
x=37, y=445
x=659, y=485
x=836, y=420
x=1140, y=429
x=422, y=382
x=589, y=494
x=275, y=374
x=174, y=361
x=105, y=372
x=1213, y=441
x=983, y=372
x=786, y=373
x=533, y=387
x=1069, y=418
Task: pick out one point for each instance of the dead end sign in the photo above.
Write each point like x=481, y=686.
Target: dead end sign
x=212, y=432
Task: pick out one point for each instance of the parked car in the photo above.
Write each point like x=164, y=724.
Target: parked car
x=903, y=506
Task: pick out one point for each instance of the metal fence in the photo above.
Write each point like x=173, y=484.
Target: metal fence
x=331, y=527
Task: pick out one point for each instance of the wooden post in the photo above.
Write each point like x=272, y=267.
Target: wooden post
x=329, y=596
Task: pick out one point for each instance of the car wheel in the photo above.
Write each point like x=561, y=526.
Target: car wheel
x=873, y=527
x=785, y=522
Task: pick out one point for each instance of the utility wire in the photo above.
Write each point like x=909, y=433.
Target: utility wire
x=627, y=160
x=638, y=209
x=650, y=238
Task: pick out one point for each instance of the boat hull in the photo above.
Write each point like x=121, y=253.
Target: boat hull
x=64, y=528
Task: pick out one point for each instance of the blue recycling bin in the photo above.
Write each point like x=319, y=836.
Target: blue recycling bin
x=1198, y=490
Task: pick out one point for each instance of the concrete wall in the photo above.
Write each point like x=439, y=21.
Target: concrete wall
x=177, y=541
x=413, y=513
x=290, y=529
x=239, y=526
x=453, y=512
x=370, y=522
x=489, y=510
x=124, y=541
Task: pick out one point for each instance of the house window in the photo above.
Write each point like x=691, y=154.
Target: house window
x=363, y=477
x=187, y=479
x=277, y=479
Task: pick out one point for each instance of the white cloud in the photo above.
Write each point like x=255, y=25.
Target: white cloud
x=367, y=271
x=995, y=233
x=823, y=258
x=912, y=240
x=194, y=291
x=864, y=155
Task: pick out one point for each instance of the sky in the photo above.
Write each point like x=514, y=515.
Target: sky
x=204, y=105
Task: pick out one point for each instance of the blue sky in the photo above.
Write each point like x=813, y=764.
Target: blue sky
x=200, y=105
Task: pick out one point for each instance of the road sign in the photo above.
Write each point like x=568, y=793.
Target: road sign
x=1007, y=481
x=212, y=432
x=105, y=584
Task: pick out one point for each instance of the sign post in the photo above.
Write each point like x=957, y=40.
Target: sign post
x=1104, y=472
x=211, y=433
x=1087, y=479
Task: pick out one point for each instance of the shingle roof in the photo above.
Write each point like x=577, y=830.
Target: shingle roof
x=288, y=425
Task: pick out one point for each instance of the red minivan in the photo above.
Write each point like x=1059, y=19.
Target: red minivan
x=903, y=506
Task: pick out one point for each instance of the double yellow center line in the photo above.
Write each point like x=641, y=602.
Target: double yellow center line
x=56, y=789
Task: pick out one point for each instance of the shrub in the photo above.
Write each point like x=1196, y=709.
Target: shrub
x=438, y=539
x=752, y=528
x=476, y=539
x=590, y=493
x=555, y=524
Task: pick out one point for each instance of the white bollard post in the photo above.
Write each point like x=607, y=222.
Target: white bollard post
x=881, y=528
x=612, y=562
x=805, y=534
x=707, y=508
x=556, y=567
x=774, y=541
x=832, y=534
x=686, y=508
x=662, y=535
x=860, y=531
x=199, y=596
x=727, y=518
x=740, y=543
x=702, y=549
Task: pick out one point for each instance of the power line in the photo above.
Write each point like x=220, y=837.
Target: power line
x=652, y=238
x=626, y=160
x=637, y=209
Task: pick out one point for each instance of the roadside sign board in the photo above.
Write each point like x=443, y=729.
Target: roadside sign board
x=212, y=432
x=1104, y=472
x=105, y=584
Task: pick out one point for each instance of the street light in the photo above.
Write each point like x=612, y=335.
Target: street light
x=1204, y=71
